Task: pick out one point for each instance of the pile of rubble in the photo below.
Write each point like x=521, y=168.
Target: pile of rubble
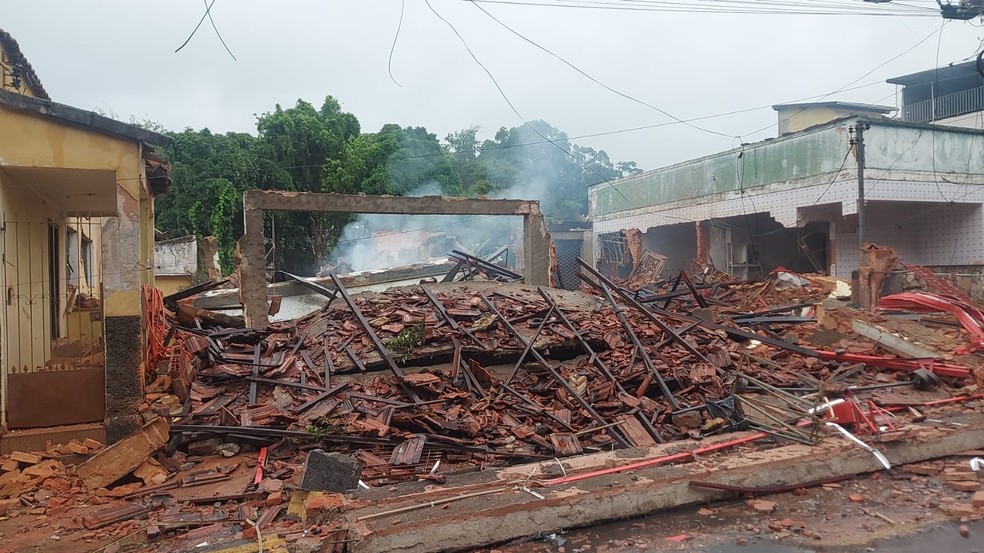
x=248, y=429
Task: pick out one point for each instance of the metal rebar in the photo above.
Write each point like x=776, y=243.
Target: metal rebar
x=383, y=352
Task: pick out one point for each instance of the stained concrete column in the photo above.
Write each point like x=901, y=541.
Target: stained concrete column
x=587, y=247
x=252, y=268
x=703, y=242
x=122, y=273
x=536, y=250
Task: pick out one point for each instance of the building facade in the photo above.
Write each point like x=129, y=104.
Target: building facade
x=792, y=201
x=77, y=239
x=952, y=95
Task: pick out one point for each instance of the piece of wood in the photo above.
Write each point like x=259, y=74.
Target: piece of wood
x=409, y=452
x=187, y=314
x=565, y=444
x=117, y=460
x=26, y=458
x=113, y=515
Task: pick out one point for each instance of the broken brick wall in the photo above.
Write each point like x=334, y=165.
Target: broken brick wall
x=969, y=278
x=677, y=242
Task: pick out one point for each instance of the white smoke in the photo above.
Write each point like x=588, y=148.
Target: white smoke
x=375, y=242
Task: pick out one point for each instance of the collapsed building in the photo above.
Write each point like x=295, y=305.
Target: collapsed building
x=838, y=175
x=469, y=401
x=77, y=198
x=401, y=413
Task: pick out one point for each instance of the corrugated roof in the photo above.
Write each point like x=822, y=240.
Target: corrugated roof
x=13, y=51
x=936, y=74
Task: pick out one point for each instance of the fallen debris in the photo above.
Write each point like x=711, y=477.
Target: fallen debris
x=119, y=459
x=350, y=422
x=331, y=472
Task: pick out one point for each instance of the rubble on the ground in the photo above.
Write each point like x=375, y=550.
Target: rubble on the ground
x=249, y=432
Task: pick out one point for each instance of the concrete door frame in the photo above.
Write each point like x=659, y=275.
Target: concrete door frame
x=252, y=264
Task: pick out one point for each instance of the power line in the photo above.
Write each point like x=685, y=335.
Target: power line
x=592, y=79
x=936, y=176
x=208, y=12
x=845, y=87
x=712, y=7
x=612, y=132
x=847, y=154
x=399, y=26
x=516, y=111
x=208, y=8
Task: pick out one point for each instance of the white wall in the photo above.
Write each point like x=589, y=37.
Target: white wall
x=968, y=121
x=178, y=256
x=921, y=234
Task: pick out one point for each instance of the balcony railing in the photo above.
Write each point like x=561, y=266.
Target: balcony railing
x=950, y=105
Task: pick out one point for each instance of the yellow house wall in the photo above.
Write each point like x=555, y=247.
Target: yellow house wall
x=169, y=284
x=800, y=119
x=31, y=140
x=6, y=78
x=86, y=327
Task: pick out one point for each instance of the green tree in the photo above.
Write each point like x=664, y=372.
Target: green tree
x=395, y=161
x=299, y=142
x=322, y=150
x=210, y=172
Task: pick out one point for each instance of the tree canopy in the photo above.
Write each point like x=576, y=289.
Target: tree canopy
x=302, y=148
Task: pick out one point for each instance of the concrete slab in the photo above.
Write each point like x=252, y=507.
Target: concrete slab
x=514, y=513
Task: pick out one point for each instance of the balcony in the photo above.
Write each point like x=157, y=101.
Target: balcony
x=950, y=105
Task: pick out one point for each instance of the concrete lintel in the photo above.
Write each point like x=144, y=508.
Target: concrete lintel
x=513, y=514
x=250, y=251
x=279, y=200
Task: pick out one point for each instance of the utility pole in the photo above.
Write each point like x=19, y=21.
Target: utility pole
x=857, y=140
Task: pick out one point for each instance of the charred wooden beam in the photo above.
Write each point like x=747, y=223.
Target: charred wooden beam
x=690, y=285
x=529, y=344
x=552, y=371
x=594, y=358
x=396, y=370
x=603, y=284
x=443, y=311
x=608, y=285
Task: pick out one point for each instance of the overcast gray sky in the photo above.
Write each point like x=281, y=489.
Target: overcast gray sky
x=118, y=56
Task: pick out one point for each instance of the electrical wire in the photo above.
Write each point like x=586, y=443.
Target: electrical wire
x=740, y=176
x=720, y=7
x=935, y=87
x=208, y=12
x=594, y=80
x=516, y=111
x=847, y=154
x=208, y=8
x=608, y=133
x=399, y=26
x=852, y=83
